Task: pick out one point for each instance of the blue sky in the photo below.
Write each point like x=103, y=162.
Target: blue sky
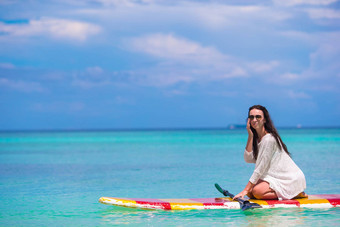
x=112, y=64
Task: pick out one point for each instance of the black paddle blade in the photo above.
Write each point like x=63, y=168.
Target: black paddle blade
x=219, y=189
x=244, y=204
x=248, y=205
x=224, y=192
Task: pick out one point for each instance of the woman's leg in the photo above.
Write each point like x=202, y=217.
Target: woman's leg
x=262, y=191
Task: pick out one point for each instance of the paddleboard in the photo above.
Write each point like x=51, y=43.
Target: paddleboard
x=313, y=201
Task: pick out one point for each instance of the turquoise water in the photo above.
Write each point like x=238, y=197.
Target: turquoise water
x=56, y=178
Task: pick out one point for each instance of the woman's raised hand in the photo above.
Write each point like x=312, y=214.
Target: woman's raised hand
x=250, y=133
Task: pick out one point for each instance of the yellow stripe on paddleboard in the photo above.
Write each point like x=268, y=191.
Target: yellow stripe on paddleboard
x=183, y=204
x=312, y=200
x=258, y=201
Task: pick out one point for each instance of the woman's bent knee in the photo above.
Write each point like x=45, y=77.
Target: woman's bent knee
x=258, y=194
x=263, y=191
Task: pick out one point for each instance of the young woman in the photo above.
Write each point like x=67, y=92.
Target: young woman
x=276, y=176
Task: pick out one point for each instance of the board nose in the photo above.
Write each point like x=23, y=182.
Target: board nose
x=102, y=199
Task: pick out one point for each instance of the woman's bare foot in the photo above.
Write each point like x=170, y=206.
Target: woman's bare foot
x=301, y=195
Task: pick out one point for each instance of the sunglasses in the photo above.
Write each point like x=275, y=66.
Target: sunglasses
x=258, y=117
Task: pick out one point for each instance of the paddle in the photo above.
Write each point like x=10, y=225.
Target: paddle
x=244, y=204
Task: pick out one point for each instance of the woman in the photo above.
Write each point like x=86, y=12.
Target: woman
x=276, y=176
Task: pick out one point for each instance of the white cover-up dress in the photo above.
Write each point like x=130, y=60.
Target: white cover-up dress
x=276, y=167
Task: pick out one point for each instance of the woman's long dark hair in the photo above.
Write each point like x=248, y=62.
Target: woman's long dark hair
x=269, y=127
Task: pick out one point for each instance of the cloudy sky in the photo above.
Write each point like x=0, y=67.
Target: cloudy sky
x=112, y=64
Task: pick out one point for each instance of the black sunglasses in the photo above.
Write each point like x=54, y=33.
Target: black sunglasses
x=258, y=117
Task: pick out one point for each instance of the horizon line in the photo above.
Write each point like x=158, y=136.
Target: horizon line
x=229, y=128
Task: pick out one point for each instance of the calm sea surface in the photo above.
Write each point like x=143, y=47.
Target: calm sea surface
x=56, y=178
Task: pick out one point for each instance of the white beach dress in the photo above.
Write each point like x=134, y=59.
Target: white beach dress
x=276, y=167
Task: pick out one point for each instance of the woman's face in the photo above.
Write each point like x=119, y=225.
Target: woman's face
x=256, y=119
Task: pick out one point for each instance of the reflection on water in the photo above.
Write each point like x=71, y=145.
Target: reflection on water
x=276, y=217
x=293, y=217
x=128, y=216
x=256, y=217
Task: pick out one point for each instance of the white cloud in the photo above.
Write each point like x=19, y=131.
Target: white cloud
x=20, y=85
x=187, y=61
x=322, y=72
x=158, y=77
x=174, y=92
x=123, y=100
x=322, y=13
x=315, y=39
x=92, y=77
x=7, y=2
x=303, y=2
x=56, y=28
x=284, y=79
x=326, y=53
x=289, y=76
x=168, y=46
x=210, y=15
x=222, y=15
x=87, y=84
x=263, y=67
x=183, y=60
x=95, y=71
x=324, y=67
x=124, y=2
x=6, y=65
x=299, y=35
x=298, y=95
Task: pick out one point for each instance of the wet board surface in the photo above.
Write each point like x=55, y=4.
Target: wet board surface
x=313, y=201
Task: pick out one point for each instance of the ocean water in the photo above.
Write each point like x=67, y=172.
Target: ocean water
x=56, y=178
